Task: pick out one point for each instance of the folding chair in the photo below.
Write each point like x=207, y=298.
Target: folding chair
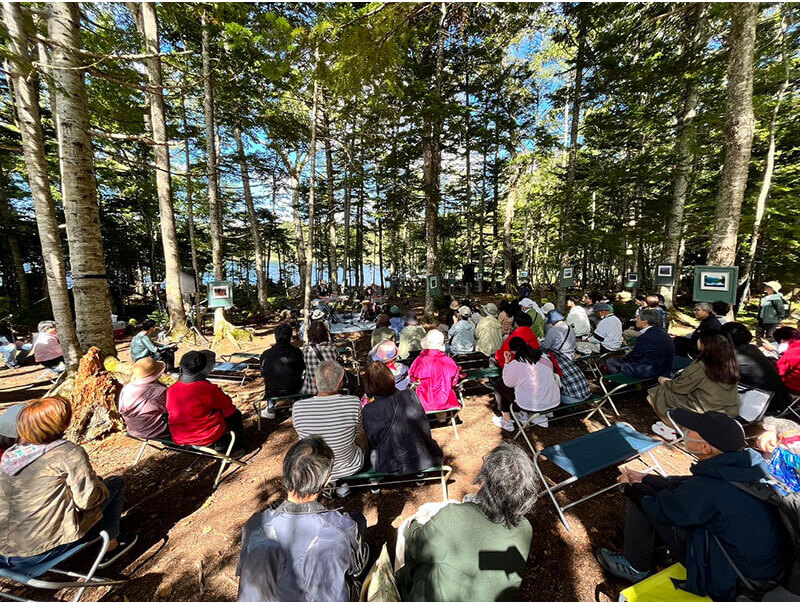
x=273, y=403
x=794, y=405
x=593, y=452
x=32, y=575
x=252, y=360
x=448, y=415
x=375, y=480
x=201, y=451
x=490, y=372
x=230, y=371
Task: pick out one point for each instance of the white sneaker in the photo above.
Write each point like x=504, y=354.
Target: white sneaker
x=268, y=413
x=342, y=491
x=541, y=421
x=669, y=434
x=522, y=416
x=503, y=424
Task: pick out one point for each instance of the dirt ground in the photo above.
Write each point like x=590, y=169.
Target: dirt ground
x=189, y=534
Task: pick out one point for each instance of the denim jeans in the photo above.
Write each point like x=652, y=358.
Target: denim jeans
x=9, y=351
x=570, y=400
x=112, y=514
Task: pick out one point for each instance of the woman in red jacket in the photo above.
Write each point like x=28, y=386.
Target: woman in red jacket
x=789, y=362
x=522, y=324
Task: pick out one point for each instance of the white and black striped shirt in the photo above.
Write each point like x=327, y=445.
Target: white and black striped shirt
x=337, y=419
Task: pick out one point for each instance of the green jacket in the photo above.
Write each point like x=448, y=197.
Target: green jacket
x=459, y=555
x=770, y=304
x=538, y=324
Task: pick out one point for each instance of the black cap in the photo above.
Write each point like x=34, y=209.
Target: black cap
x=196, y=365
x=718, y=429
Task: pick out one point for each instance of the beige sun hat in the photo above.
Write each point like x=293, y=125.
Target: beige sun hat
x=433, y=340
x=774, y=285
x=147, y=370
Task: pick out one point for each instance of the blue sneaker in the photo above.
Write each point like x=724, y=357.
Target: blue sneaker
x=617, y=565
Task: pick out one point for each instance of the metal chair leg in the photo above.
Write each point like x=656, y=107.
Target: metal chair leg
x=141, y=452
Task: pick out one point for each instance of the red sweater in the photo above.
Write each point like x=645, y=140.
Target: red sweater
x=789, y=366
x=197, y=412
x=526, y=334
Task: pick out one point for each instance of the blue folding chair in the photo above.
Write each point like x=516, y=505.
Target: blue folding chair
x=230, y=371
x=31, y=575
x=593, y=452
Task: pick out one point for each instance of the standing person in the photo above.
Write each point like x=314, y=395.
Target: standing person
x=143, y=400
x=411, y=336
x=47, y=348
x=397, y=429
x=578, y=319
x=298, y=550
x=462, y=333
x=282, y=368
x=772, y=311
x=318, y=349
x=687, y=346
x=522, y=322
x=489, y=332
x=436, y=373
x=52, y=499
x=705, y=520
x=474, y=550
x=200, y=413
x=528, y=379
x=334, y=417
x=608, y=332
x=560, y=336
x=708, y=383
x=142, y=346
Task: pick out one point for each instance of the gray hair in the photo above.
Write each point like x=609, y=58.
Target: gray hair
x=650, y=316
x=705, y=306
x=45, y=324
x=328, y=376
x=307, y=466
x=509, y=485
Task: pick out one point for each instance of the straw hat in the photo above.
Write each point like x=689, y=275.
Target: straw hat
x=454, y=305
x=317, y=315
x=147, y=370
x=433, y=340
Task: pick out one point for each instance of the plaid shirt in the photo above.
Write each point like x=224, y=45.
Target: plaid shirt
x=327, y=351
x=573, y=382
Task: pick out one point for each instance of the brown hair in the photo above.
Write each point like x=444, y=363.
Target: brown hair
x=44, y=421
x=719, y=357
x=652, y=301
x=318, y=333
x=378, y=380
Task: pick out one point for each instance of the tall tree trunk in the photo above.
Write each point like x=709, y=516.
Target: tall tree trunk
x=360, y=225
x=739, y=127
x=569, y=191
x=261, y=281
x=90, y=284
x=695, y=30
x=347, y=192
x=189, y=200
x=763, y=193
x=431, y=160
x=481, y=250
x=215, y=222
x=333, y=269
x=148, y=26
x=298, y=224
x=311, y=191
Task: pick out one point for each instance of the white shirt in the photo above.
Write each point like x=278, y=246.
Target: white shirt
x=579, y=321
x=535, y=385
x=610, y=329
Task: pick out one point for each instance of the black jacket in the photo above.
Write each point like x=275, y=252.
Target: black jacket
x=282, y=367
x=709, y=323
x=399, y=435
x=652, y=355
x=757, y=370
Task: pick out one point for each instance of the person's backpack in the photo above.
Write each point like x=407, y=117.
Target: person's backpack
x=781, y=307
x=788, y=506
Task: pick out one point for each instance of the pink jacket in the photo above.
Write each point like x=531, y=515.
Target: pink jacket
x=436, y=374
x=46, y=347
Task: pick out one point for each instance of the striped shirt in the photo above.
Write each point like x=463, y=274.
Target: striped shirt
x=337, y=419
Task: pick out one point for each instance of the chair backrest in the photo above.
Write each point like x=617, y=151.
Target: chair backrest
x=753, y=403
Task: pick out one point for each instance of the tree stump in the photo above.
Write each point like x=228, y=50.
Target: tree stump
x=94, y=400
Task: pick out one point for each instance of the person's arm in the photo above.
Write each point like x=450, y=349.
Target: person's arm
x=511, y=373
x=220, y=400
x=424, y=542
x=688, y=380
x=148, y=344
x=86, y=489
x=686, y=505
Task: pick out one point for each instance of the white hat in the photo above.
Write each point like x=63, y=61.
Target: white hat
x=433, y=340
x=317, y=315
x=547, y=307
x=527, y=302
x=774, y=285
x=465, y=311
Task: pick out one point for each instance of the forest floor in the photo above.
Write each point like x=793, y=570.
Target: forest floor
x=189, y=534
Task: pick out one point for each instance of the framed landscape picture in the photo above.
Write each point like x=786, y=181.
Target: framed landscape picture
x=632, y=280
x=220, y=294
x=566, y=277
x=665, y=275
x=715, y=283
